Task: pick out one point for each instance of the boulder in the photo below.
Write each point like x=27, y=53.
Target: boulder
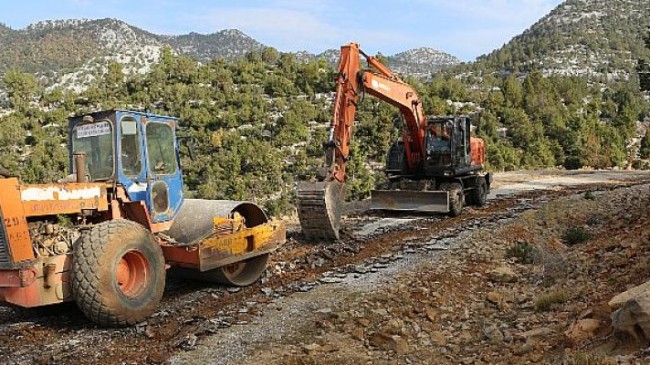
x=493, y=334
x=634, y=317
x=390, y=342
x=357, y=333
x=310, y=348
x=494, y=297
x=582, y=329
x=619, y=300
x=439, y=338
x=432, y=314
x=539, y=332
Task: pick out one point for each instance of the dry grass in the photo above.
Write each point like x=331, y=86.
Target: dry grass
x=546, y=301
x=523, y=252
x=583, y=358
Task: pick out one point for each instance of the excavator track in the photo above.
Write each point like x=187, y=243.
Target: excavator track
x=319, y=209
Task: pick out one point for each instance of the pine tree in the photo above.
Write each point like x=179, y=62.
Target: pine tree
x=643, y=68
x=644, y=151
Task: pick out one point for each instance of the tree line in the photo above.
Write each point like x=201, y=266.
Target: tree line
x=260, y=121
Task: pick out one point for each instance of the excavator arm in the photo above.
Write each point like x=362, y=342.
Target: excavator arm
x=319, y=202
x=402, y=96
x=380, y=82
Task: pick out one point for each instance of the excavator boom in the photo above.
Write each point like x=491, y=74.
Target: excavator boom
x=319, y=203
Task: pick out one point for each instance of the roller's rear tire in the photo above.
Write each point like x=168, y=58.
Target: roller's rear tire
x=241, y=273
x=118, y=273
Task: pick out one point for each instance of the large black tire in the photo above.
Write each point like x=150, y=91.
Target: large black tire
x=478, y=196
x=118, y=273
x=456, y=197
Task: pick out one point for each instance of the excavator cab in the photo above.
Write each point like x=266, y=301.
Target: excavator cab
x=439, y=143
x=448, y=146
x=137, y=150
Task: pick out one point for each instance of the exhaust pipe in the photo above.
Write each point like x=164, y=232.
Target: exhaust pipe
x=80, y=166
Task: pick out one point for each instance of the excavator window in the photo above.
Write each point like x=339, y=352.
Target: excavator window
x=468, y=129
x=461, y=139
x=96, y=141
x=438, y=139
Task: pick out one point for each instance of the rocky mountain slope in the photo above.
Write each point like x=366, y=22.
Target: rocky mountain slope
x=418, y=62
x=594, y=38
x=226, y=44
x=421, y=61
x=60, y=45
x=70, y=52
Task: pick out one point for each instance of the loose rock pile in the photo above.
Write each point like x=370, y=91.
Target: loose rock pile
x=519, y=293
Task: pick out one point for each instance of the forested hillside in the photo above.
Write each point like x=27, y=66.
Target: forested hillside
x=259, y=121
x=598, y=39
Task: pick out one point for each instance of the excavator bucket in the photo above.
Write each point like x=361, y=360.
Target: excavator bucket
x=409, y=200
x=319, y=209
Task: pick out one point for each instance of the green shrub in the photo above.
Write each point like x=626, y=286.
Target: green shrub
x=575, y=235
x=522, y=251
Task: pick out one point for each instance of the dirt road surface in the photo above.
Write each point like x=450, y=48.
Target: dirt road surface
x=497, y=284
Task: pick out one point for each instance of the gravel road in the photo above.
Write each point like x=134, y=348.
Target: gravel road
x=201, y=323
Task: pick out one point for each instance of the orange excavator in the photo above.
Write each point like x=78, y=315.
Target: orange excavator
x=436, y=166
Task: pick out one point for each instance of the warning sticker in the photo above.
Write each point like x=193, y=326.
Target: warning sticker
x=93, y=129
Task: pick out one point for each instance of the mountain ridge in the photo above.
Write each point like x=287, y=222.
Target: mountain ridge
x=68, y=50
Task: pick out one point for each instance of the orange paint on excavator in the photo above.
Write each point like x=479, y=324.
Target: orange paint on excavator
x=426, y=173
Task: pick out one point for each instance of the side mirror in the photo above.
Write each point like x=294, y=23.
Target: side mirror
x=189, y=142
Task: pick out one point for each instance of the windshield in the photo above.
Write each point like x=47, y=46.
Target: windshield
x=96, y=141
x=438, y=138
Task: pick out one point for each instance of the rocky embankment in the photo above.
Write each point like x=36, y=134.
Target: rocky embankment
x=534, y=289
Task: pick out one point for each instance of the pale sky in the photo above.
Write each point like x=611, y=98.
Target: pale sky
x=463, y=28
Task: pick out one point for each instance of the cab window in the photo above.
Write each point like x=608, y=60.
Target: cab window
x=438, y=138
x=95, y=140
x=161, y=149
x=130, y=142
